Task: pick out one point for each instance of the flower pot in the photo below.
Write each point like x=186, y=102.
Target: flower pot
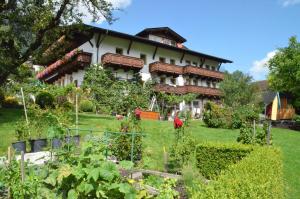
x=73, y=139
x=38, y=144
x=56, y=143
x=19, y=146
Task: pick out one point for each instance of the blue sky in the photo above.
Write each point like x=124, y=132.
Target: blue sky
x=245, y=31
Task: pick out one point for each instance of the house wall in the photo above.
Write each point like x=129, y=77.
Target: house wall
x=108, y=44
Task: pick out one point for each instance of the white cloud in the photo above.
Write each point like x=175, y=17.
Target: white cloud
x=259, y=69
x=286, y=3
x=116, y=4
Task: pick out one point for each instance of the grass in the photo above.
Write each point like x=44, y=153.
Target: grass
x=159, y=135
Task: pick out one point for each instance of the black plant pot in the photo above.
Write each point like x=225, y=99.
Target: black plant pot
x=56, y=143
x=73, y=139
x=19, y=146
x=38, y=144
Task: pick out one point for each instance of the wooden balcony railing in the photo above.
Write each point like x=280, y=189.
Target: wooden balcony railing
x=72, y=61
x=159, y=67
x=122, y=60
x=203, y=72
x=188, y=89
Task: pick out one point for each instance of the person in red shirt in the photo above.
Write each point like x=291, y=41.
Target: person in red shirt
x=177, y=122
x=137, y=113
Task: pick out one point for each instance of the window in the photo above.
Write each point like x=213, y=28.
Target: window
x=162, y=59
x=214, y=85
x=173, y=81
x=188, y=82
x=213, y=68
x=162, y=80
x=195, y=63
x=119, y=51
x=144, y=58
x=187, y=62
x=207, y=66
x=196, y=104
x=195, y=82
x=172, y=61
x=208, y=84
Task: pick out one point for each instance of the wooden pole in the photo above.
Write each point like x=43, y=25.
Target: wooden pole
x=165, y=160
x=22, y=167
x=269, y=133
x=76, y=109
x=9, y=157
x=25, y=110
x=254, y=129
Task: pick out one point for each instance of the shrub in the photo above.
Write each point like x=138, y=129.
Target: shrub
x=216, y=116
x=60, y=100
x=247, y=135
x=45, y=99
x=243, y=114
x=86, y=106
x=213, y=158
x=10, y=102
x=259, y=175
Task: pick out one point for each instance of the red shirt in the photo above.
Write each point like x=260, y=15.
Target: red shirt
x=177, y=123
x=138, y=113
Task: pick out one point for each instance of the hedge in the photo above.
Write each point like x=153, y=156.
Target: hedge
x=212, y=158
x=86, y=106
x=257, y=175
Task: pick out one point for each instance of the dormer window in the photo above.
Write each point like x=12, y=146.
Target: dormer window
x=119, y=51
x=162, y=60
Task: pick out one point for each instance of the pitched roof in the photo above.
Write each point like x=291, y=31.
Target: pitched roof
x=165, y=30
x=155, y=43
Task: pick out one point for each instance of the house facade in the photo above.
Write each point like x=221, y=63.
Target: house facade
x=157, y=54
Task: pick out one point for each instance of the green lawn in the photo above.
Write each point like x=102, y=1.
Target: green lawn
x=160, y=135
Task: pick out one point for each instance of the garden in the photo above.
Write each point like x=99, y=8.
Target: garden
x=96, y=145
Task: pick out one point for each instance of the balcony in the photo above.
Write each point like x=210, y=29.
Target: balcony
x=71, y=62
x=117, y=60
x=188, y=89
x=203, y=90
x=164, y=68
x=203, y=72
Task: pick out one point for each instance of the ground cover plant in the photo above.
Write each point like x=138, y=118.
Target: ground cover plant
x=160, y=135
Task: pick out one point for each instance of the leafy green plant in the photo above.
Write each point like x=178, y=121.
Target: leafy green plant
x=86, y=106
x=45, y=99
x=2, y=96
x=216, y=116
x=258, y=175
x=22, y=130
x=212, y=158
x=167, y=191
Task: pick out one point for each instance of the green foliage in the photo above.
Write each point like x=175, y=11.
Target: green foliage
x=216, y=116
x=284, y=68
x=109, y=94
x=2, y=96
x=166, y=191
x=247, y=135
x=121, y=143
x=238, y=90
x=296, y=118
x=28, y=28
x=45, y=99
x=214, y=158
x=22, y=130
x=246, y=113
x=86, y=106
x=258, y=175
x=10, y=102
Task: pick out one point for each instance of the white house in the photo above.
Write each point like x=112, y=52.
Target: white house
x=156, y=53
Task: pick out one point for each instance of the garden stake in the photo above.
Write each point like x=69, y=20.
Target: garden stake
x=132, y=146
x=269, y=133
x=9, y=160
x=22, y=167
x=254, y=130
x=76, y=101
x=25, y=110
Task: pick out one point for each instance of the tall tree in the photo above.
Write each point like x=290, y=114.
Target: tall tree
x=238, y=90
x=28, y=26
x=284, y=68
